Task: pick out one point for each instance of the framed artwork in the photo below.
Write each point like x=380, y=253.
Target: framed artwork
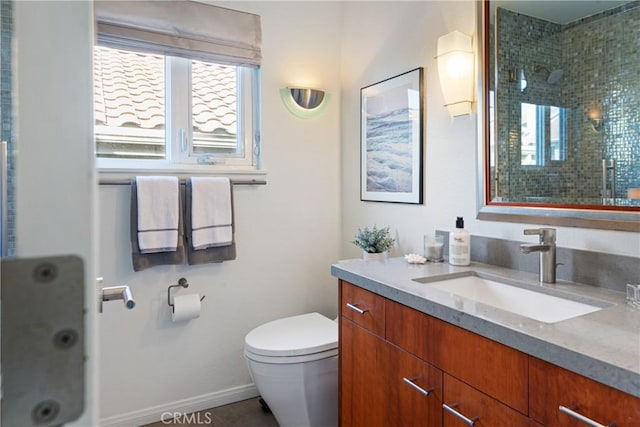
x=391, y=139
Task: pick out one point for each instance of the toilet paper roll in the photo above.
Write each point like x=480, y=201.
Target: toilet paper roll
x=186, y=307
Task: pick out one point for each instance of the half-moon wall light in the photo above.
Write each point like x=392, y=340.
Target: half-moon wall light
x=303, y=102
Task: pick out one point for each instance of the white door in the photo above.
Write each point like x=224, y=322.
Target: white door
x=55, y=174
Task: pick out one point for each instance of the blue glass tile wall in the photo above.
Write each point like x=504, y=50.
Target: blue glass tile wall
x=600, y=58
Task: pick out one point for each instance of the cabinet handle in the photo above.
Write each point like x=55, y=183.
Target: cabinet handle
x=572, y=413
x=416, y=386
x=468, y=421
x=356, y=309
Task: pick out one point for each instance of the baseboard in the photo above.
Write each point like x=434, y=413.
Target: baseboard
x=193, y=404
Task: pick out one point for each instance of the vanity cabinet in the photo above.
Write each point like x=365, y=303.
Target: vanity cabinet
x=560, y=398
x=401, y=367
x=381, y=384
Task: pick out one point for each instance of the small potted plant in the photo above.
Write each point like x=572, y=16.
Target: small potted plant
x=374, y=242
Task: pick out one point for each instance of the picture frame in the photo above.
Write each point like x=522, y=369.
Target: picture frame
x=391, y=139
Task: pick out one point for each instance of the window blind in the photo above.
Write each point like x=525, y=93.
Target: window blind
x=181, y=28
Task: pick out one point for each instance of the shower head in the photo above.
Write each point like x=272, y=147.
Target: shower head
x=553, y=77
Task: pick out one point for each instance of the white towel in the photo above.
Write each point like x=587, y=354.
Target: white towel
x=211, y=215
x=158, y=213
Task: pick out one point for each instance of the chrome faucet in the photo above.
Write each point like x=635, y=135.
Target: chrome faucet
x=547, y=249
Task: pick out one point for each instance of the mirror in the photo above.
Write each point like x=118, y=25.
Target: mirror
x=7, y=144
x=559, y=120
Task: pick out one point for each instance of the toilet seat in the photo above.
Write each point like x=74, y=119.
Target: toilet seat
x=293, y=339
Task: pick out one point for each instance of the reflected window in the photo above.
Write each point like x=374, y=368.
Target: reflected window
x=539, y=124
x=558, y=133
x=532, y=135
x=492, y=131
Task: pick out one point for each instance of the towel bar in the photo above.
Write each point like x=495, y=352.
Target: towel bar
x=233, y=182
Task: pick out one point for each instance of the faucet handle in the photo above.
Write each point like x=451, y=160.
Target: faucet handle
x=531, y=231
x=547, y=235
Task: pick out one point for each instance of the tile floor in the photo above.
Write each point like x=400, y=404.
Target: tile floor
x=247, y=413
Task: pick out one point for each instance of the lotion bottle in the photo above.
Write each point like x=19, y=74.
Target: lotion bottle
x=459, y=245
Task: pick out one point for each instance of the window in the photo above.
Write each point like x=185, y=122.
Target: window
x=539, y=124
x=171, y=110
x=176, y=86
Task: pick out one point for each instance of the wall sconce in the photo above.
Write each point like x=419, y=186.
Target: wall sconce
x=596, y=125
x=517, y=75
x=595, y=119
x=455, y=68
x=304, y=102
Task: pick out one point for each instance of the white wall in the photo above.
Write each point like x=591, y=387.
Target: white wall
x=287, y=236
x=383, y=39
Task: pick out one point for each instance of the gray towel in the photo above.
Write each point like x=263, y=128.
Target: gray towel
x=215, y=254
x=143, y=261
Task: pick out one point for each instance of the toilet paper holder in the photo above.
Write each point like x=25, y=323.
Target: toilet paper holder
x=182, y=282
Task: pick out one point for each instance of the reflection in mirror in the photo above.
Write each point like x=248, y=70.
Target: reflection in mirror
x=562, y=99
x=543, y=128
x=7, y=182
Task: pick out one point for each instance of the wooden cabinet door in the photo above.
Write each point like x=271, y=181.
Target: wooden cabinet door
x=414, y=390
x=362, y=389
x=463, y=401
x=552, y=387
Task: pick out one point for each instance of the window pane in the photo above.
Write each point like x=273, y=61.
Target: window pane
x=558, y=133
x=529, y=134
x=129, y=103
x=492, y=132
x=214, y=109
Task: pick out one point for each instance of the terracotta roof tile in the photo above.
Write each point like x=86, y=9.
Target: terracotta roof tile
x=129, y=91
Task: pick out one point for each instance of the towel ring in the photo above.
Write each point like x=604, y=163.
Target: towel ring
x=182, y=282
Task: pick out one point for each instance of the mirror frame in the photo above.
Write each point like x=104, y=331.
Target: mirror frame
x=606, y=218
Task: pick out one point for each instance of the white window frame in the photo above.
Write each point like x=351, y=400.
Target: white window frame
x=178, y=122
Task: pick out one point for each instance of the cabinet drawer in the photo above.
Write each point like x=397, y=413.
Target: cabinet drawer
x=409, y=329
x=362, y=307
x=467, y=402
x=552, y=387
x=496, y=369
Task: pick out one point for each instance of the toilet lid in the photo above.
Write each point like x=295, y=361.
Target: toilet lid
x=293, y=336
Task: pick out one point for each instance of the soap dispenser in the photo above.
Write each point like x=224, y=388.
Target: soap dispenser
x=459, y=244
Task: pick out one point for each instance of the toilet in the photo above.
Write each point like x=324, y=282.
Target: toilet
x=294, y=365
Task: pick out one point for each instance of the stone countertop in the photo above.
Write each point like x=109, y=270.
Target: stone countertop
x=603, y=345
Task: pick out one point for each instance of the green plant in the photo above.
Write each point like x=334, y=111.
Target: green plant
x=374, y=240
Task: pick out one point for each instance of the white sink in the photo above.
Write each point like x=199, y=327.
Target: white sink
x=534, y=305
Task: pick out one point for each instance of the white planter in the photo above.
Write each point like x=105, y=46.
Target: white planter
x=380, y=256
